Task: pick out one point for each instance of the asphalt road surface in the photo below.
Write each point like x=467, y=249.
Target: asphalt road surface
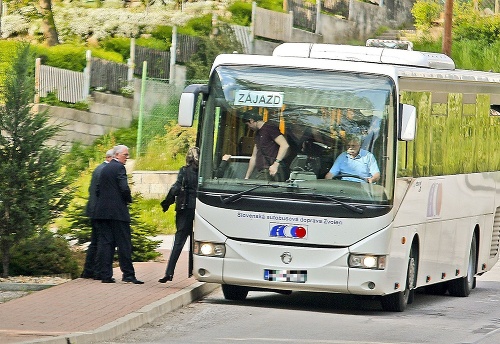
x=330, y=319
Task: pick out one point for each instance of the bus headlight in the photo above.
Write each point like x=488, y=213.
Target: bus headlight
x=209, y=249
x=367, y=261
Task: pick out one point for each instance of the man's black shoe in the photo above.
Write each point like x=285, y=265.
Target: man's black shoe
x=132, y=280
x=108, y=280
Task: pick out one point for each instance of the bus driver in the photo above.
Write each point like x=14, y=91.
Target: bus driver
x=357, y=165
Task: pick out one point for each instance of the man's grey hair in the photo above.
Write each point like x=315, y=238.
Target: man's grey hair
x=118, y=149
x=109, y=153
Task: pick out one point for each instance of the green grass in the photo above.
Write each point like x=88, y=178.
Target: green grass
x=151, y=213
x=467, y=54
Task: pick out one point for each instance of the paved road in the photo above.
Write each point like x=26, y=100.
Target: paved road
x=314, y=318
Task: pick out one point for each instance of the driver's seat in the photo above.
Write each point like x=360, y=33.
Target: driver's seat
x=303, y=167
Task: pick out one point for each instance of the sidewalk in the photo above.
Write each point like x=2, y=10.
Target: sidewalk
x=85, y=311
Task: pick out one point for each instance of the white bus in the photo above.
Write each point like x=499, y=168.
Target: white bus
x=432, y=220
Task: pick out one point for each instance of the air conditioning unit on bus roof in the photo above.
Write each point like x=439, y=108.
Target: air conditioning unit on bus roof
x=365, y=54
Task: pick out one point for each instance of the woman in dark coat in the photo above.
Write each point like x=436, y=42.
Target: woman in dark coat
x=183, y=194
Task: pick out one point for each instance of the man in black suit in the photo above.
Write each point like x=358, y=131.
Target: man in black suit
x=92, y=267
x=113, y=218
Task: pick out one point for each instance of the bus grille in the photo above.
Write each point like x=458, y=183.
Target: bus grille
x=495, y=235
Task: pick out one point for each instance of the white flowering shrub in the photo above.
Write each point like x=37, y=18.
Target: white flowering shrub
x=14, y=24
x=82, y=23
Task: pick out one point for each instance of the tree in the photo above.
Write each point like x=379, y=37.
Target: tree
x=33, y=188
x=48, y=25
x=224, y=41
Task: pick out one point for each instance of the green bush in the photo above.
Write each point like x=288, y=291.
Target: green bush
x=469, y=24
x=151, y=213
x=72, y=57
x=162, y=33
x=120, y=45
x=241, y=13
x=143, y=246
x=167, y=152
x=425, y=13
x=7, y=50
x=201, y=26
x=272, y=5
x=153, y=43
x=44, y=254
x=51, y=99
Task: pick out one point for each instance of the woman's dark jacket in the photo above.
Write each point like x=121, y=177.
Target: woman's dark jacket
x=187, y=180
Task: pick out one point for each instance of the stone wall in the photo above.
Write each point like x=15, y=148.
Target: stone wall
x=107, y=112
x=153, y=184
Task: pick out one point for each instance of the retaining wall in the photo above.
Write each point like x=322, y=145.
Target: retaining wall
x=153, y=184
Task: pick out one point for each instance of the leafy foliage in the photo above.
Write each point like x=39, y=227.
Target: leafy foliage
x=143, y=248
x=425, y=13
x=200, y=64
x=467, y=54
x=151, y=213
x=44, y=254
x=167, y=152
x=162, y=33
x=469, y=24
x=120, y=45
x=241, y=13
x=273, y=5
x=72, y=57
x=51, y=99
x=34, y=187
x=201, y=26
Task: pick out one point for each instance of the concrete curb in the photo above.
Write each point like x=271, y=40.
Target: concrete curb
x=136, y=319
x=24, y=286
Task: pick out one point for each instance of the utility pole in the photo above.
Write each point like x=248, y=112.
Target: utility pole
x=1, y=13
x=448, y=19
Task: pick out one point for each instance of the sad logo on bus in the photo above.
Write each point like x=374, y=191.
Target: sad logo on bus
x=288, y=231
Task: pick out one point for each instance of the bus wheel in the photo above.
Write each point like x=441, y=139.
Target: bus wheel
x=234, y=292
x=461, y=287
x=398, y=301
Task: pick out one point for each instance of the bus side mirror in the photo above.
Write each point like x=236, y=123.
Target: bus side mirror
x=407, y=122
x=188, y=102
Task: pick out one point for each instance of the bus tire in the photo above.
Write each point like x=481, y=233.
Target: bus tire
x=398, y=301
x=234, y=292
x=462, y=286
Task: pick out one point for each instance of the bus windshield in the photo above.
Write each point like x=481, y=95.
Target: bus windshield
x=321, y=114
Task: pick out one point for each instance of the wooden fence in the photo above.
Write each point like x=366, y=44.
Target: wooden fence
x=304, y=14
x=336, y=7
x=243, y=34
x=273, y=25
x=109, y=75
x=186, y=47
x=69, y=86
x=158, y=62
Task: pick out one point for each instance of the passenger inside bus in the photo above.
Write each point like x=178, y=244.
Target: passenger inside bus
x=269, y=150
x=355, y=164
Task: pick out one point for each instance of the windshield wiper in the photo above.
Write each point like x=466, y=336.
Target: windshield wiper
x=238, y=195
x=342, y=203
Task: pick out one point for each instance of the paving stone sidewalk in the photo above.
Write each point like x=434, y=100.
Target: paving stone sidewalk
x=88, y=311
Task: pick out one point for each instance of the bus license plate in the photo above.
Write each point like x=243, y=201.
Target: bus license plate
x=296, y=276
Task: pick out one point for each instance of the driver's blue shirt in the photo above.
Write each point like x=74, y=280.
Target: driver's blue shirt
x=363, y=165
